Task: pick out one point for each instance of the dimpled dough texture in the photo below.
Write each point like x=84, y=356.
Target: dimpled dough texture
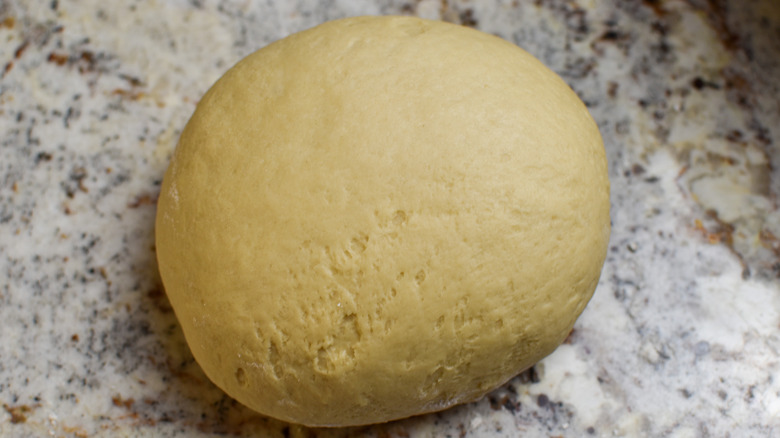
x=381, y=217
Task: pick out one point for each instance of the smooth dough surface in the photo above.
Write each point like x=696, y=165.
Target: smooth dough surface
x=381, y=217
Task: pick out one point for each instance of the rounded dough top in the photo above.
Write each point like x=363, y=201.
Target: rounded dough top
x=380, y=217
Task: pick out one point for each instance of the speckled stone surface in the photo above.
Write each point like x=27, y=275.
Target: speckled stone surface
x=682, y=337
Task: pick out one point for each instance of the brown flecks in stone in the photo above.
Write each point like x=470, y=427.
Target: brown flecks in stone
x=57, y=58
x=128, y=94
x=132, y=80
x=467, y=18
x=722, y=233
x=20, y=50
x=637, y=169
x=656, y=6
x=119, y=402
x=529, y=376
x=18, y=413
x=612, y=89
x=142, y=200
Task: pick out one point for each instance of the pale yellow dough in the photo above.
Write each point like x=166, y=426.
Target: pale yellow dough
x=381, y=217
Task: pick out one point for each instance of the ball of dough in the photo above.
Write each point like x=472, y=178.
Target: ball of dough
x=381, y=217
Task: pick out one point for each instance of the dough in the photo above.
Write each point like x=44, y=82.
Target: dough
x=381, y=217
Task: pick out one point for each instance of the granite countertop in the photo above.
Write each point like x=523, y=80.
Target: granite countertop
x=682, y=337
